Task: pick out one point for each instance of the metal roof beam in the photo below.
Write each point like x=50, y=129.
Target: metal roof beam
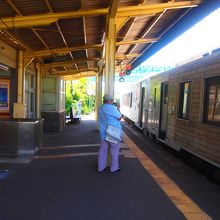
x=67, y=63
x=69, y=49
x=45, y=19
x=78, y=76
x=19, y=13
x=139, y=41
x=64, y=73
x=59, y=29
x=85, y=37
x=122, y=56
x=154, y=8
x=61, y=51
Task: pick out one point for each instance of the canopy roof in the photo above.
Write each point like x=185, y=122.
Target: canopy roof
x=67, y=36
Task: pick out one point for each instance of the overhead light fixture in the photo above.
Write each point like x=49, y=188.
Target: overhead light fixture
x=3, y=67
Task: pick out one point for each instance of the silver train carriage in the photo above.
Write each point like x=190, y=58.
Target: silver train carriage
x=180, y=107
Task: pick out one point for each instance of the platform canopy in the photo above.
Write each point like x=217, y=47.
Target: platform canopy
x=68, y=37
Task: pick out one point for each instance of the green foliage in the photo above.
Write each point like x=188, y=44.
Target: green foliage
x=76, y=90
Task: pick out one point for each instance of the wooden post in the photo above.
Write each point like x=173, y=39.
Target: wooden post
x=110, y=58
x=38, y=90
x=20, y=97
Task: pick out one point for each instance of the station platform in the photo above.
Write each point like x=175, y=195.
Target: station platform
x=60, y=181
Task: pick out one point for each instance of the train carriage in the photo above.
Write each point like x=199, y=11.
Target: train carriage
x=130, y=103
x=194, y=108
x=181, y=107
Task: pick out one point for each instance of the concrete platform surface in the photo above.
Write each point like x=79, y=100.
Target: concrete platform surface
x=61, y=182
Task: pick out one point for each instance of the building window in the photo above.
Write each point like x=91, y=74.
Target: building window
x=184, y=100
x=212, y=100
x=30, y=94
x=49, y=94
x=155, y=97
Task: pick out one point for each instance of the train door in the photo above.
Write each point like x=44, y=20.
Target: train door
x=141, y=119
x=163, y=110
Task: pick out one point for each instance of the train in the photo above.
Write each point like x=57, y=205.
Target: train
x=180, y=107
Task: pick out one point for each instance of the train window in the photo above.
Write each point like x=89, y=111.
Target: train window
x=212, y=93
x=184, y=100
x=127, y=99
x=155, y=97
x=130, y=102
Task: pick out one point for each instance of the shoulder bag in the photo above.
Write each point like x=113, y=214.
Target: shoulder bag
x=113, y=134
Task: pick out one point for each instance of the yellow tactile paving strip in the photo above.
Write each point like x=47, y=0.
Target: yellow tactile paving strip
x=187, y=207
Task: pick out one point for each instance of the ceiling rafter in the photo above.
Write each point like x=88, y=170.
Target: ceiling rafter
x=19, y=13
x=131, y=23
x=62, y=51
x=15, y=40
x=63, y=73
x=139, y=41
x=156, y=19
x=85, y=38
x=126, y=56
x=45, y=19
x=140, y=10
x=148, y=28
x=67, y=63
x=79, y=75
x=59, y=29
x=142, y=2
x=84, y=47
x=130, y=26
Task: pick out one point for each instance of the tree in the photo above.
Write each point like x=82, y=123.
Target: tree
x=78, y=89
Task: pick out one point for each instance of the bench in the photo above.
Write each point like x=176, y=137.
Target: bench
x=74, y=118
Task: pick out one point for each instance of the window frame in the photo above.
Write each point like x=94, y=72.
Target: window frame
x=209, y=82
x=30, y=94
x=181, y=100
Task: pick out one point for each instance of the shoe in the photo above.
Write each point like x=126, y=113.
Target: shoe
x=99, y=171
x=116, y=171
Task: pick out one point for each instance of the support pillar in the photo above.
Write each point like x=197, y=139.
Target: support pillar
x=38, y=90
x=98, y=92
x=20, y=97
x=110, y=58
x=19, y=107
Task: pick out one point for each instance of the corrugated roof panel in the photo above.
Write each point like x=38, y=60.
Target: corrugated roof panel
x=6, y=10
x=30, y=7
x=30, y=39
x=51, y=36
x=72, y=30
x=86, y=4
x=94, y=29
x=79, y=54
x=65, y=5
x=128, y=2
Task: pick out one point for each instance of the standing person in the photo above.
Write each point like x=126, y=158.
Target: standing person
x=108, y=114
x=79, y=107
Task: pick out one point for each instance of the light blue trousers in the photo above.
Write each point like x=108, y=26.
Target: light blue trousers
x=103, y=154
